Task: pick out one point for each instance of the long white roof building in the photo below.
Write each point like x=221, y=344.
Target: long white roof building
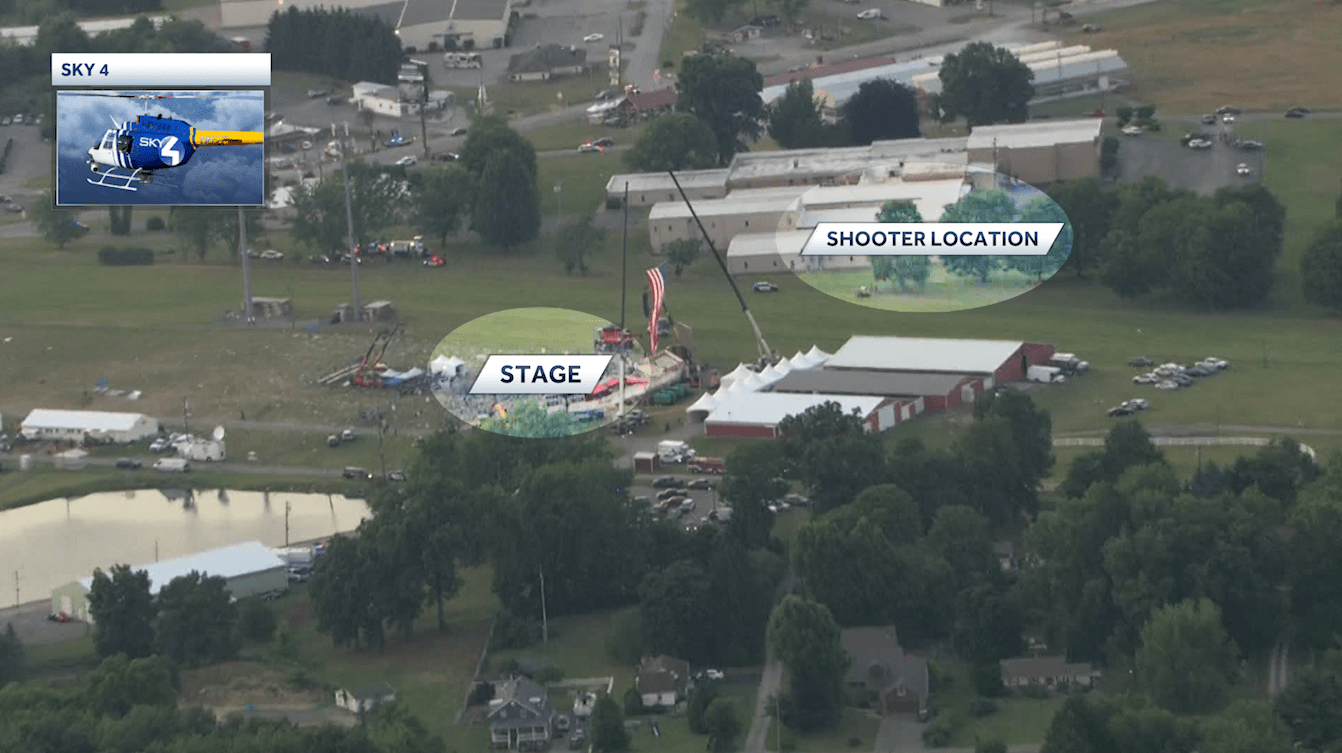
x=225, y=562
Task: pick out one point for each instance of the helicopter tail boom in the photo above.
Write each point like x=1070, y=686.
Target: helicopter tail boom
x=225, y=138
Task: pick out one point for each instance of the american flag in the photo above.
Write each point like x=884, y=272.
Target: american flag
x=657, y=283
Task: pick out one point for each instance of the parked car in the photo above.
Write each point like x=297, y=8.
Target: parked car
x=461, y=131
x=702, y=483
x=594, y=37
x=1297, y=112
x=4, y=121
x=1243, y=170
x=1141, y=361
x=1209, y=120
x=1250, y=146
x=577, y=739
x=666, y=494
x=870, y=14
x=398, y=139
x=334, y=100
x=1133, y=130
x=562, y=723
x=447, y=157
x=128, y=464
x=435, y=261
x=1229, y=110
x=605, y=142
x=1120, y=411
x=333, y=440
x=667, y=482
x=318, y=93
x=797, y=500
x=160, y=445
x=590, y=149
x=406, y=161
x=1136, y=404
x=272, y=256
x=348, y=435
x=352, y=473
x=764, y=287
x=397, y=475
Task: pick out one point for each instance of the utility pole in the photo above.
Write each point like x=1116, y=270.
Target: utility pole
x=545, y=621
x=382, y=457
x=16, y=588
x=156, y=550
x=349, y=223
x=246, y=269
x=186, y=416
x=624, y=256
x=424, y=105
x=287, y=507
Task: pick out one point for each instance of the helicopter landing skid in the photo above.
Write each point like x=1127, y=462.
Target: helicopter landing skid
x=122, y=182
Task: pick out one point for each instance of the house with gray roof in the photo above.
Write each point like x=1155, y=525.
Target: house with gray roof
x=663, y=681
x=520, y=716
x=1050, y=672
x=546, y=62
x=882, y=674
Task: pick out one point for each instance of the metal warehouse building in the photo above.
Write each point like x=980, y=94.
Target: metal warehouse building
x=1042, y=151
x=75, y=425
x=758, y=414
x=995, y=361
x=928, y=392
x=418, y=23
x=249, y=569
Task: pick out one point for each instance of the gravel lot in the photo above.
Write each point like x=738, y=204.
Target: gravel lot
x=34, y=629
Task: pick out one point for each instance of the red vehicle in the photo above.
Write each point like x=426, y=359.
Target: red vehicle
x=610, y=339
x=707, y=465
x=435, y=261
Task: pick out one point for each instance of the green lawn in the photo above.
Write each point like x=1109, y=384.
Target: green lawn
x=847, y=30
x=582, y=179
x=568, y=136
x=577, y=646
x=523, y=330
x=944, y=292
x=534, y=97
x=683, y=35
x=1018, y=721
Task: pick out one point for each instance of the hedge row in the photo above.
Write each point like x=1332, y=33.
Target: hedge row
x=125, y=257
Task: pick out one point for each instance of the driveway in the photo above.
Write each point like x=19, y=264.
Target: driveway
x=899, y=733
x=770, y=682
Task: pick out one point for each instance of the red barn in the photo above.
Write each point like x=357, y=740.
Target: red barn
x=992, y=361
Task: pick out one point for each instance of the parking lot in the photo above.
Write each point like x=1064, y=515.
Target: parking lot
x=1200, y=170
x=705, y=500
x=29, y=159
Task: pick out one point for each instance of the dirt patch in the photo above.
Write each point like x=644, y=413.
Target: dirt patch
x=237, y=685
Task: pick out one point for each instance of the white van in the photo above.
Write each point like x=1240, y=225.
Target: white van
x=172, y=465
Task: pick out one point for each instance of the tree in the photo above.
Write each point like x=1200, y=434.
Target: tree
x=1187, y=662
x=888, y=507
x=960, y=535
x=119, y=684
x=805, y=638
x=832, y=453
x=196, y=620
x=123, y=612
x=1043, y=209
x=723, y=725
x=56, y=225
x=701, y=698
x=256, y=621
x=442, y=197
x=320, y=217
x=343, y=589
x=608, y=733
x=1127, y=445
x=743, y=584
x=882, y=110
x=993, y=205
x=13, y=664
x=1311, y=706
x=988, y=625
x=674, y=606
x=795, y=121
x=1321, y=267
x=119, y=220
x=681, y=253
x=1315, y=567
x=507, y=203
x=851, y=569
x=985, y=84
x=724, y=92
x=904, y=270
x=1089, y=207
x=1031, y=429
x=490, y=136
x=391, y=726
x=679, y=141
x=576, y=241
x=1230, y=265
x=198, y=227
x=791, y=10
x=1247, y=727
x=751, y=483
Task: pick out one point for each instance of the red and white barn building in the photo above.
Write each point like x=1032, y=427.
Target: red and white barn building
x=887, y=380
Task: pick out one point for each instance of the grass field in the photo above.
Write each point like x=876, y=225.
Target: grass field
x=847, y=30
x=568, y=136
x=855, y=724
x=1018, y=721
x=683, y=35
x=582, y=179
x=1195, y=55
x=533, y=97
x=944, y=293
x=523, y=330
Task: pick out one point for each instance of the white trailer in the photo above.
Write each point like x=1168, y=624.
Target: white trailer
x=673, y=451
x=295, y=556
x=207, y=451
x=1044, y=374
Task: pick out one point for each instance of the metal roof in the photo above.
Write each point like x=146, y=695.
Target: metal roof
x=641, y=182
x=1050, y=69
x=866, y=382
x=770, y=408
x=844, y=85
x=828, y=69
x=226, y=562
x=1036, y=134
x=783, y=244
x=85, y=420
x=731, y=205
x=928, y=355
x=478, y=10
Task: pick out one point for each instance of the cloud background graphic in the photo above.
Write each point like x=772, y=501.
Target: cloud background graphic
x=229, y=175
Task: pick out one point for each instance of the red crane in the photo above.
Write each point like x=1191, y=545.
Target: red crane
x=368, y=373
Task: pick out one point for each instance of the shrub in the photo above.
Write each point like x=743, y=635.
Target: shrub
x=1033, y=691
x=512, y=631
x=633, y=703
x=256, y=621
x=482, y=693
x=937, y=734
x=548, y=674
x=301, y=680
x=154, y=223
x=125, y=257
x=982, y=707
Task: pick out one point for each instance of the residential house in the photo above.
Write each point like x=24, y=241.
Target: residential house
x=746, y=33
x=520, y=717
x=364, y=698
x=1006, y=556
x=882, y=675
x=1048, y=672
x=546, y=62
x=663, y=681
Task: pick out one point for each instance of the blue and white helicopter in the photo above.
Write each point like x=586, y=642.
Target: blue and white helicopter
x=153, y=142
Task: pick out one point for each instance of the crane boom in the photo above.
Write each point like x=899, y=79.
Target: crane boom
x=766, y=353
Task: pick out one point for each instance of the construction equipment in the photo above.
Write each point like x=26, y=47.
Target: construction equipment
x=367, y=373
x=767, y=355
x=612, y=339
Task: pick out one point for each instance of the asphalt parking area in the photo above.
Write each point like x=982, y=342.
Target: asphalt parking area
x=1200, y=170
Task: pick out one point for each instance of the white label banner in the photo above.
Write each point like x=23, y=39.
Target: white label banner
x=198, y=70
x=932, y=238
x=540, y=375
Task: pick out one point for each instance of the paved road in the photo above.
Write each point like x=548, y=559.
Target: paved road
x=227, y=467
x=1212, y=430
x=34, y=629
x=899, y=733
x=770, y=682
x=1279, y=667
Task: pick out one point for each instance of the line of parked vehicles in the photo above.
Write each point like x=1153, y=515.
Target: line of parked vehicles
x=1172, y=376
x=385, y=250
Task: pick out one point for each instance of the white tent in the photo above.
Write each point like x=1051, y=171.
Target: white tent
x=770, y=375
x=784, y=364
x=751, y=383
x=817, y=355
x=735, y=375
x=798, y=357
x=446, y=365
x=704, y=404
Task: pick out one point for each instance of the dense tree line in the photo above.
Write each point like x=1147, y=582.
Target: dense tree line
x=130, y=706
x=1215, y=252
x=335, y=43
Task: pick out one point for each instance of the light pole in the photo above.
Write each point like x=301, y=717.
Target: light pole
x=349, y=223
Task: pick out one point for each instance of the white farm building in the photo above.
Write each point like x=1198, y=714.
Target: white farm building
x=76, y=425
x=249, y=569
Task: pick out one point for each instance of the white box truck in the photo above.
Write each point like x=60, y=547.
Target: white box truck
x=208, y=451
x=172, y=465
x=1045, y=374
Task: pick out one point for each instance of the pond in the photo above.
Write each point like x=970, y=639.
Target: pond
x=47, y=545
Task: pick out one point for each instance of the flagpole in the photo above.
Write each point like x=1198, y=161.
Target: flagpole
x=624, y=256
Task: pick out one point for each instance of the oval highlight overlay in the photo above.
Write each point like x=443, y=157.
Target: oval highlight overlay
x=538, y=372
x=852, y=267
